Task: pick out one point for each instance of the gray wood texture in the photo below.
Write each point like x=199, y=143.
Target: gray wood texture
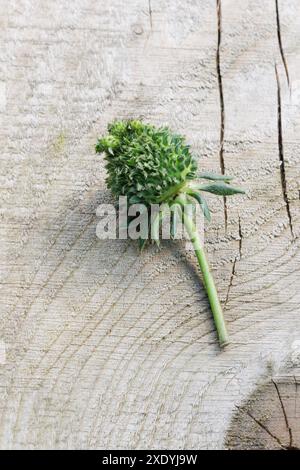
x=269, y=420
x=106, y=348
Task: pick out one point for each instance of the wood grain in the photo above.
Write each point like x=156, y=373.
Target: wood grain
x=106, y=348
x=269, y=419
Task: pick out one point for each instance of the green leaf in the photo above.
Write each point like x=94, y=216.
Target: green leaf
x=142, y=243
x=134, y=200
x=139, y=187
x=221, y=189
x=215, y=177
x=203, y=204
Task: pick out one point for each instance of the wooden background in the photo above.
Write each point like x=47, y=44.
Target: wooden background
x=106, y=348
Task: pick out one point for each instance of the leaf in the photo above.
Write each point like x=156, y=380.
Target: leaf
x=215, y=177
x=221, y=189
x=142, y=243
x=202, y=203
x=134, y=200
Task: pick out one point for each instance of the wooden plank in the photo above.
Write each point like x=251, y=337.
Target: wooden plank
x=106, y=348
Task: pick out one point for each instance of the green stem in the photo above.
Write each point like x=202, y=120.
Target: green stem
x=208, y=280
x=171, y=192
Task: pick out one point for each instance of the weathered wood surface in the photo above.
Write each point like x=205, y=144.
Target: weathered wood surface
x=269, y=419
x=106, y=348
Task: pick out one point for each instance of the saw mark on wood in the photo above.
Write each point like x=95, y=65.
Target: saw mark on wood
x=144, y=334
x=280, y=44
x=222, y=105
x=102, y=338
x=281, y=154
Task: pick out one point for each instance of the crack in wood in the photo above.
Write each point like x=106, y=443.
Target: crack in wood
x=284, y=414
x=237, y=258
x=262, y=426
x=230, y=282
x=240, y=237
x=280, y=43
x=281, y=154
x=150, y=13
x=222, y=105
x=295, y=404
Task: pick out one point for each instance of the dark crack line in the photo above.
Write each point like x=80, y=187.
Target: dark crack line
x=150, y=13
x=259, y=423
x=284, y=414
x=240, y=238
x=220, y=83
x=281, y=154
x=280, y=44
x=237, y=258
x=296, y=391
x=230, y=282
x=222, y=105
